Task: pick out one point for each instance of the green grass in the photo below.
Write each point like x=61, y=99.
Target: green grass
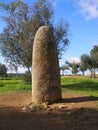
x=13, y=84
x=80, y=84
x=84, y=85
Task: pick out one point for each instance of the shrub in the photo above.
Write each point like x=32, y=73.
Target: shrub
x=27, y=77
x=3, y=70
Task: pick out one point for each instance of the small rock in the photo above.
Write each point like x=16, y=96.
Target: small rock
x=25, y=108
x=62, y=106
x=45, y=105
x=30, y=107
x=49, y=109
x=55, y=108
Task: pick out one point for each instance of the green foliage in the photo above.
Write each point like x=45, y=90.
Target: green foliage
x=63, y=68
x=27, y=77
x=91, y=61
x=83, y=68
x=86, y=61
x=84, y=85
x=3, y=70
x=74, y=67
x=9, y=84
x=22, y=22
x=94, y=56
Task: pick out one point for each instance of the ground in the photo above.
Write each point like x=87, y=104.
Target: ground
x=74, y=112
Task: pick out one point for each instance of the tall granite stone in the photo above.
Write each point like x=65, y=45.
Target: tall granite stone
x=45, y=68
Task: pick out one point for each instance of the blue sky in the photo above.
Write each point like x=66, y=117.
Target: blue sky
x=82, y=15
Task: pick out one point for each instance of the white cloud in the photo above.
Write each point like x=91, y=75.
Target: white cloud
x=73, y=59
x=88, y=8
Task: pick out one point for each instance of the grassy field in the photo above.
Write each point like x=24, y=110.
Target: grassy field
x=13, y=84
x=79, y=84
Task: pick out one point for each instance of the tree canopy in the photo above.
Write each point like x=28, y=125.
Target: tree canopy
x=94, y=56
x=63, y=68
x=22, y=22
x=91, y=61
x=3, y=70
x=74, y=67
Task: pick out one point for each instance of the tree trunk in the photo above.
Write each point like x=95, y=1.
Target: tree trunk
x=62, y=72
x=92, y=73
x=83, y=73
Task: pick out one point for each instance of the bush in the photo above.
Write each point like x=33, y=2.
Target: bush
x=27, y=77
x=3, y=70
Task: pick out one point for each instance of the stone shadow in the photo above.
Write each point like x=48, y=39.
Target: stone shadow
x=79, y=99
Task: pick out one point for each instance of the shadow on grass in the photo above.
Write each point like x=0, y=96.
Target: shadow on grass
x=83, y=86
x=72, y=119
x=1, y=85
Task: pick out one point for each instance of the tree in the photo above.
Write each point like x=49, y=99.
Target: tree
x=94, y=56
x=63, y=68
x=3, y=70
x=88, y=63
x=16, y=39
x=83, y=68
x=61, y=33
x=22, y=23
x=74, y=67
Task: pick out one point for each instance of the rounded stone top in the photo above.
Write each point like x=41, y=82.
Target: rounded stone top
x=44, y=28
x=44, y=33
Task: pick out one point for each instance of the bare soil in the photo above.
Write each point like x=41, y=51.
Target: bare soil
x=74, y=112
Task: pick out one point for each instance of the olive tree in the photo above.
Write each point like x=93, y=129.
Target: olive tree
x=22, y=21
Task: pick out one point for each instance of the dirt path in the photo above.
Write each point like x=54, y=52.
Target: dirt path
x=75, y=112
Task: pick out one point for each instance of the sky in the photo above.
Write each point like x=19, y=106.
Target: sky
x=82, y=16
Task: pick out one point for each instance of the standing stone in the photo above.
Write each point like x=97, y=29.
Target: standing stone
x=45, y=68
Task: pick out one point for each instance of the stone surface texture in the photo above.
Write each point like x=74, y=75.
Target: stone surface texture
x=45, y=68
